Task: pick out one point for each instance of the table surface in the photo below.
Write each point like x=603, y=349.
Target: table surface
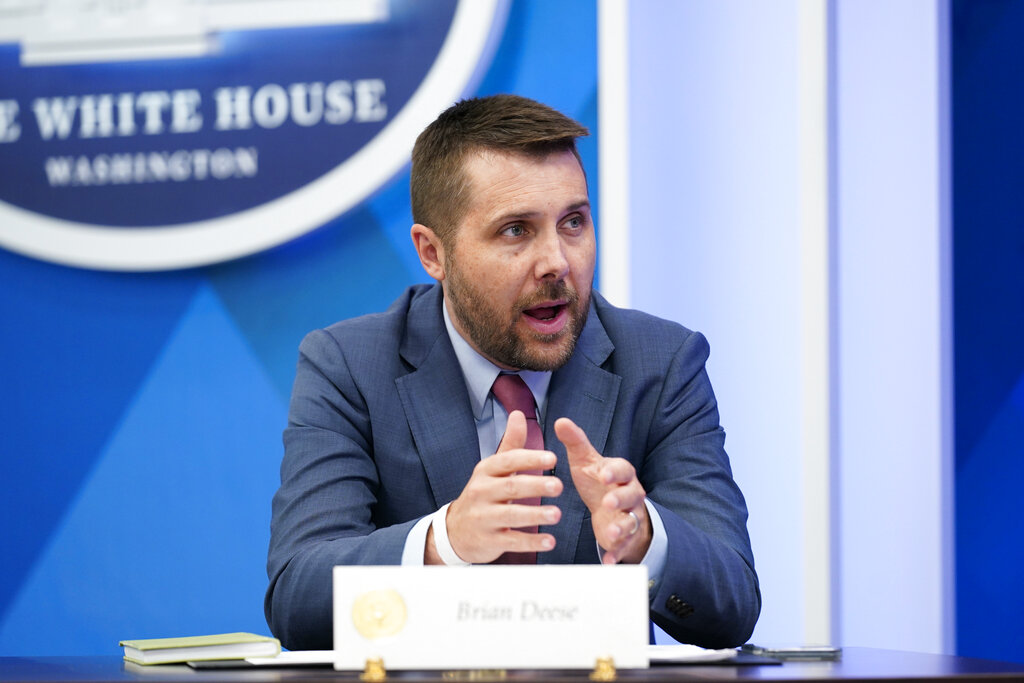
x=857, y=664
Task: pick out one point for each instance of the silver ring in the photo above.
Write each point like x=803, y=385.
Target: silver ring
x=636, y=523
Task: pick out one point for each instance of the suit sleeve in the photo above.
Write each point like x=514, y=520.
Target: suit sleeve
x=322, y=515
x=708, y=594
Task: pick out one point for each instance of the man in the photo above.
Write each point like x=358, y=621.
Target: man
x=399, y=451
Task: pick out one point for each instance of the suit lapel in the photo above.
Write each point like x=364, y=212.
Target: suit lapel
x=435, y=401
x=586, y=394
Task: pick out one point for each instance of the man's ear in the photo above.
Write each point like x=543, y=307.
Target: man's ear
x=430, y=251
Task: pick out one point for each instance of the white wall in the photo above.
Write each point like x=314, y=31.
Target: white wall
x=827, y=365
x=894, y=306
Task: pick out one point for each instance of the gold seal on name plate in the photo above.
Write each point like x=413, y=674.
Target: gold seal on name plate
x=379, y=613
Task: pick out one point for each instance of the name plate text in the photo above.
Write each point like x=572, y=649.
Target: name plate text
x=491, y=617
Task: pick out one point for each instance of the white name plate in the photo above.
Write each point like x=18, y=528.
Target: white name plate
x=491, y=617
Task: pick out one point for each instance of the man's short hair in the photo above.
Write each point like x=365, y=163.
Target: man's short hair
x=502, y=123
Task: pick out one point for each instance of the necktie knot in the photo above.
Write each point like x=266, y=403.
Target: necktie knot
x=513, y=394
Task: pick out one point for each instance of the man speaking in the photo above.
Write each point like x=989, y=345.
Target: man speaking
x=508, y=413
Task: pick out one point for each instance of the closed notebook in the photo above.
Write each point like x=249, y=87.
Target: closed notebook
x=200, y=648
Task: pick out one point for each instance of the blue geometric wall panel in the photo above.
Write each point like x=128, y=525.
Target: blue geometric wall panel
x=988, y=532
x=168, y=534
x=988, y=299
x=346, y=269
x=74, y=346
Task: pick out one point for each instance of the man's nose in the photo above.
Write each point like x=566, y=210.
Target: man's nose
x=551, y=262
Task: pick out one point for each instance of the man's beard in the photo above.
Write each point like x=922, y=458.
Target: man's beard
x=494, y=332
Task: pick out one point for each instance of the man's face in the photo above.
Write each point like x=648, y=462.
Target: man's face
x=518, y=271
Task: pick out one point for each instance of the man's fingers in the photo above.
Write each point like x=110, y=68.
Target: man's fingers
x=610, y=489
x=515, y=432
x=499, y=482
x=631, y=523
x=517, y=460
x=577, y=445
x=494, y=529
x=619, y=534
x=616, y=471
x=480, y=533
x=625, y=497
x=526, y=542
x=516, y=487
x=517, y=516
x=487, y=519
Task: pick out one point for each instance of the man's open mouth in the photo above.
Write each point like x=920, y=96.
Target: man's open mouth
x=545, y=312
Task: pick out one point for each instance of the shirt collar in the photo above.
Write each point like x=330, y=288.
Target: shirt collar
x=480, y=373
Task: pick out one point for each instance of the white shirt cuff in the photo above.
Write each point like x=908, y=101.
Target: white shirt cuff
x=657, y=552
x=416, y=541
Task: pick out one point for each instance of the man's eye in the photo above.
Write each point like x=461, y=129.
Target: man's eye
x=514, y=230
x=574, y=222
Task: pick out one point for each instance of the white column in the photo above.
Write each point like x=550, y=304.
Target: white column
x=613, y=151
x=816, y=285
x=894, y=308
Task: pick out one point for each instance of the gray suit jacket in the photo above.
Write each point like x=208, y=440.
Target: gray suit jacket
x=381, y=434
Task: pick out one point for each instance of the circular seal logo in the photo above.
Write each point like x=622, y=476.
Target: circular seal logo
x=162, y=134
x=379, y=613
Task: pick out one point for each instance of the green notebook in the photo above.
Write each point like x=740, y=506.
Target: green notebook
x=200, y=648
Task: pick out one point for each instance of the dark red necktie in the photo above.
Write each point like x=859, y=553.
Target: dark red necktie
x=512, y=392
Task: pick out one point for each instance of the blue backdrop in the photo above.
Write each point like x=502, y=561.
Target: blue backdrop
x=141, y=413
x=988, y=242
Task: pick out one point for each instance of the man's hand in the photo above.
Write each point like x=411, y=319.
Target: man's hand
x=610, y=489
x=482, y=521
